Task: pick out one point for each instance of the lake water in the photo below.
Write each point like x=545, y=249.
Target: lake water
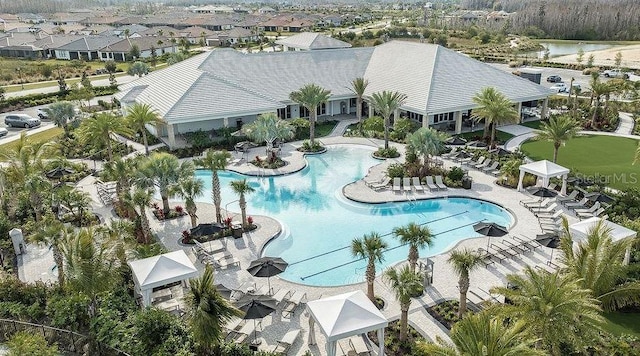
x=557, y=49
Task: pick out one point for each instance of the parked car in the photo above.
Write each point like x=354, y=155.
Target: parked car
x=3, y=132
x=560, y=88
x=21, y=120
x=554, y=79
x=615, y=73
x=42, y=114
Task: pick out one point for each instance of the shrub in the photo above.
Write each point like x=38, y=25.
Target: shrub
x=395, y=170
x=308, y=147
x=26, y=343
x=390, y=152
x=455, y=174
x=68, y=311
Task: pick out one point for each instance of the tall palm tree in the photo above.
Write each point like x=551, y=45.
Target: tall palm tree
x=485, y=334
x=417, y=237
x=370, y=246
x=123, y=172
x=52, y=232
x=141, y=115
x=61, y=113
x=358, y=87
x=37, y=188
x=598, y=89
x=386, y=103
x=214, y=161
x=554, y=309
x=267, y=128
x=141, y=198
x=406, y=284
x=311, y=96
x=427, y=142
x=242, y=187
x=207, y=312
x=558, y=130
x=190, y=189
x=99, y=130
x=463, y=262
x=598, y=265
x=164, y=171
x=494, y=108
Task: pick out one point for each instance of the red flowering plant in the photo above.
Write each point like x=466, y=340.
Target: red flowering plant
x=249, y=220
x=179, y=209
x=186, y=237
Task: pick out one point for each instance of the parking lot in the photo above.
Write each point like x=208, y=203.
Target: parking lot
x=15, y=131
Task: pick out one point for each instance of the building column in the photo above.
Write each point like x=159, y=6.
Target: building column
x=371, y=110
x=458, y=118
x=545, y=104
x=519, y=110
x=396, y=115
x=171, y=135
x=225, y=122
x=425, y=120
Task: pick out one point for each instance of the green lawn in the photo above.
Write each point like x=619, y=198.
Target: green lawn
x=623, y=323
x=532, y=124
x=477, y=135
x=606, y=159
x=44, y=136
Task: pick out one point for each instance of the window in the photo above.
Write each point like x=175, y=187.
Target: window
x=353, y=102
x=322, y=109
x=415, y=116
x=438, y=118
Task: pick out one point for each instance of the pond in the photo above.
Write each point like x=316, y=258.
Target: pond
x=557, y=49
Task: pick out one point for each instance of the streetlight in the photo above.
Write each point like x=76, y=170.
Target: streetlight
x=20, y=76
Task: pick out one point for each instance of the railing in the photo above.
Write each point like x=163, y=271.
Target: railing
x=66, y=340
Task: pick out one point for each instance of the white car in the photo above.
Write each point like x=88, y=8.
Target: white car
x=42, y=114
x=3, y=132
x=560, y=88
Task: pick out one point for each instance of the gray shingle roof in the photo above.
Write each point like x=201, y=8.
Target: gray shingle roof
x=89, y=43
x=312, y=41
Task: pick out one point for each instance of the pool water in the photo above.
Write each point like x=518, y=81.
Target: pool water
x=319, y=223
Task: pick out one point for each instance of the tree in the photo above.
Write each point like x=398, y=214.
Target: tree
x=141, y=198
x=110, y=66
x=370, y=247
x=463, y=262
x=46, y=71
x=154, y=56
x=580, y=56
x=62, y=84
x=485, y=334
x=590, y=60
x=61, y=113
x=553, y=308
x=558, y=130
x=134, y=52
x=618, y=59
x=122, y=171
x=427, y=142
x=416, y=237
x=494, y=108
x=52, y=232
x=165, y=172
x=598, y=89
x=84, y=80
x=386, y=103
x=138, y=68
x=311, y=96
x=242, y=187
x=190, y=189
x=99, y=129
x=358, y=87
x=268, y=128
x=214, y=161
x=406, y=284
x=207, y=312
x=141, y=115
x=26, y=343
x=37, y=187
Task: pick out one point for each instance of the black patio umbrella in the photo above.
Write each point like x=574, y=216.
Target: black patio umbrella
x=501, y=152
x=256, y=307
x=267, y=267
x=59, y=172
x=477, y=144
x=543, y=192
x=489, y=230
x=549, y=240
x=599, y=197
x=224, y=291
x=455, y=141
x=206, y=229
x=461, y=155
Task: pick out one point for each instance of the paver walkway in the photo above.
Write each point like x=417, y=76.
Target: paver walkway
x=626, y=125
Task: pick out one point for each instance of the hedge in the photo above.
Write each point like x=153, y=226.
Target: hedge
x=27, y=101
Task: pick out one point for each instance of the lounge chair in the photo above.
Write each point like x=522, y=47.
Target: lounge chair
x=430, y=184
x=506, y=251
x=450, y=153
x=532, y=243
x=472, y=163
x=284, y=344
x=396, y=184
x=569, y=198
x=593, y=208
x=522, y=248
x=281, y=295
x=293, y=301
x=357, y=345
x=489, y=257
x=590, y=214
x=545, y=210
x=535, y=203
x=406, y=184
x=226, y=262
x=552, y=186
x=491, y=168
x=416, y=184
x=439, y=183
x=245, y=333
x=482, y=165
x=381, y=185
x=579, y=205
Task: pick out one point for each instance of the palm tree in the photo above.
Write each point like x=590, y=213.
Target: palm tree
x=427, y=142
x=123, y=172
x=141, y=198
x=61, y=113
x=99, y=130
x=37, y=188
x=598, y=89
x=371, y=247
x=386, y=103
x=267, y=128
x=190, y=189
x=242, y=187
x=463, y=262
x=558, y=130
x=358, y=87
x=485, y=334
x=417, y=237
x=554, y=309
x=52, y=232
x=207, y=311
x=494, y=108
x=214, y=161
x=164, y=171
x=311, y=96
x=141, y=115
x=406, y=284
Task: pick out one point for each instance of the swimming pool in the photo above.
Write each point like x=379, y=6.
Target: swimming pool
x=319, y=223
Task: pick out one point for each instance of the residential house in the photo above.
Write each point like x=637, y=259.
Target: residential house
x=195, y=34
x=213, y=9
x=85, y=48
x=49, y=43
x=121, y=51
x=310, y=41
x=101, y=20
x=267, y=10
x=130, y=31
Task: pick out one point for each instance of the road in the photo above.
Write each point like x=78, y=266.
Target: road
x=54, y=86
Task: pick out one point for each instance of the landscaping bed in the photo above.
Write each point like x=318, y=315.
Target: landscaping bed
x=393, y=346
x=176, y=212
x=446, y=313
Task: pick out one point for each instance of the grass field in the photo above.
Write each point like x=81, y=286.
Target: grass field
x=623, y=323
x=532, y=124
x=500, y=136
x=46, y=136
x=606, y=159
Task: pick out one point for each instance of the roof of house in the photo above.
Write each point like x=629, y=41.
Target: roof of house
x=55, y=41
x=135, y=28
x=226, y=83
x=312, y=41
x=239, y=32
x=195, y=32
x=144, y=43
x=89, y=43
x=155, y=31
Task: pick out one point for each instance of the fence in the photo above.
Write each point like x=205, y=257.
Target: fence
x=65, y=340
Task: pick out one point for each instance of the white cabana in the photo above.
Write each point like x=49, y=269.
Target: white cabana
x=345, y=315
x=545, y=170
x=161, y=270
x=580, y=230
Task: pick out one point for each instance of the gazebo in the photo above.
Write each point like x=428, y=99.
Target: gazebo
x=345, y=315
x=161, y=270
x=545, y=170
x=580, y=231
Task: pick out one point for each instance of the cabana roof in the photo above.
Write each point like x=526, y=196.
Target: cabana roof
x=544, y=169
x=163, y=269
x=580, y=230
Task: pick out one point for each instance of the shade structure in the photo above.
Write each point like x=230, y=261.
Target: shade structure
x=224, y=291
x=549, y=240
x=501, y=152
x=545, y=170
x=345, y=315
x=599, y=197
x=543, y=192
x=461, y=155
x=490, y=229
x=580, y=230
x=157, y=271
x=477, y=144
x=267, y=267
x=206, y=229
x=59, y=172
x=256, y=307
x=455, y=141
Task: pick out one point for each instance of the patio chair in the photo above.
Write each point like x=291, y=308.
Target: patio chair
x=481, y=166
x=535, y=203
x=522, y=248
x=589, y=215
x=552, y=186
x=531, y=243
x=555, y=216
x=489, y=257
x=281, y=295
x=358, y=345
x=430, y=184
x=406, y=184
x=226, y=262
x=396, y=184
x=505, y=251
x=579, y=205
x=471, y=163
x=297, y=298
x=569, y=198
x=244, y=333
x=545, y=210
x=284, y=344
x=417, y=185
x=450, y=153
x=380, y=185
x=491, y=168
x=439, y=183
x=590, y=210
